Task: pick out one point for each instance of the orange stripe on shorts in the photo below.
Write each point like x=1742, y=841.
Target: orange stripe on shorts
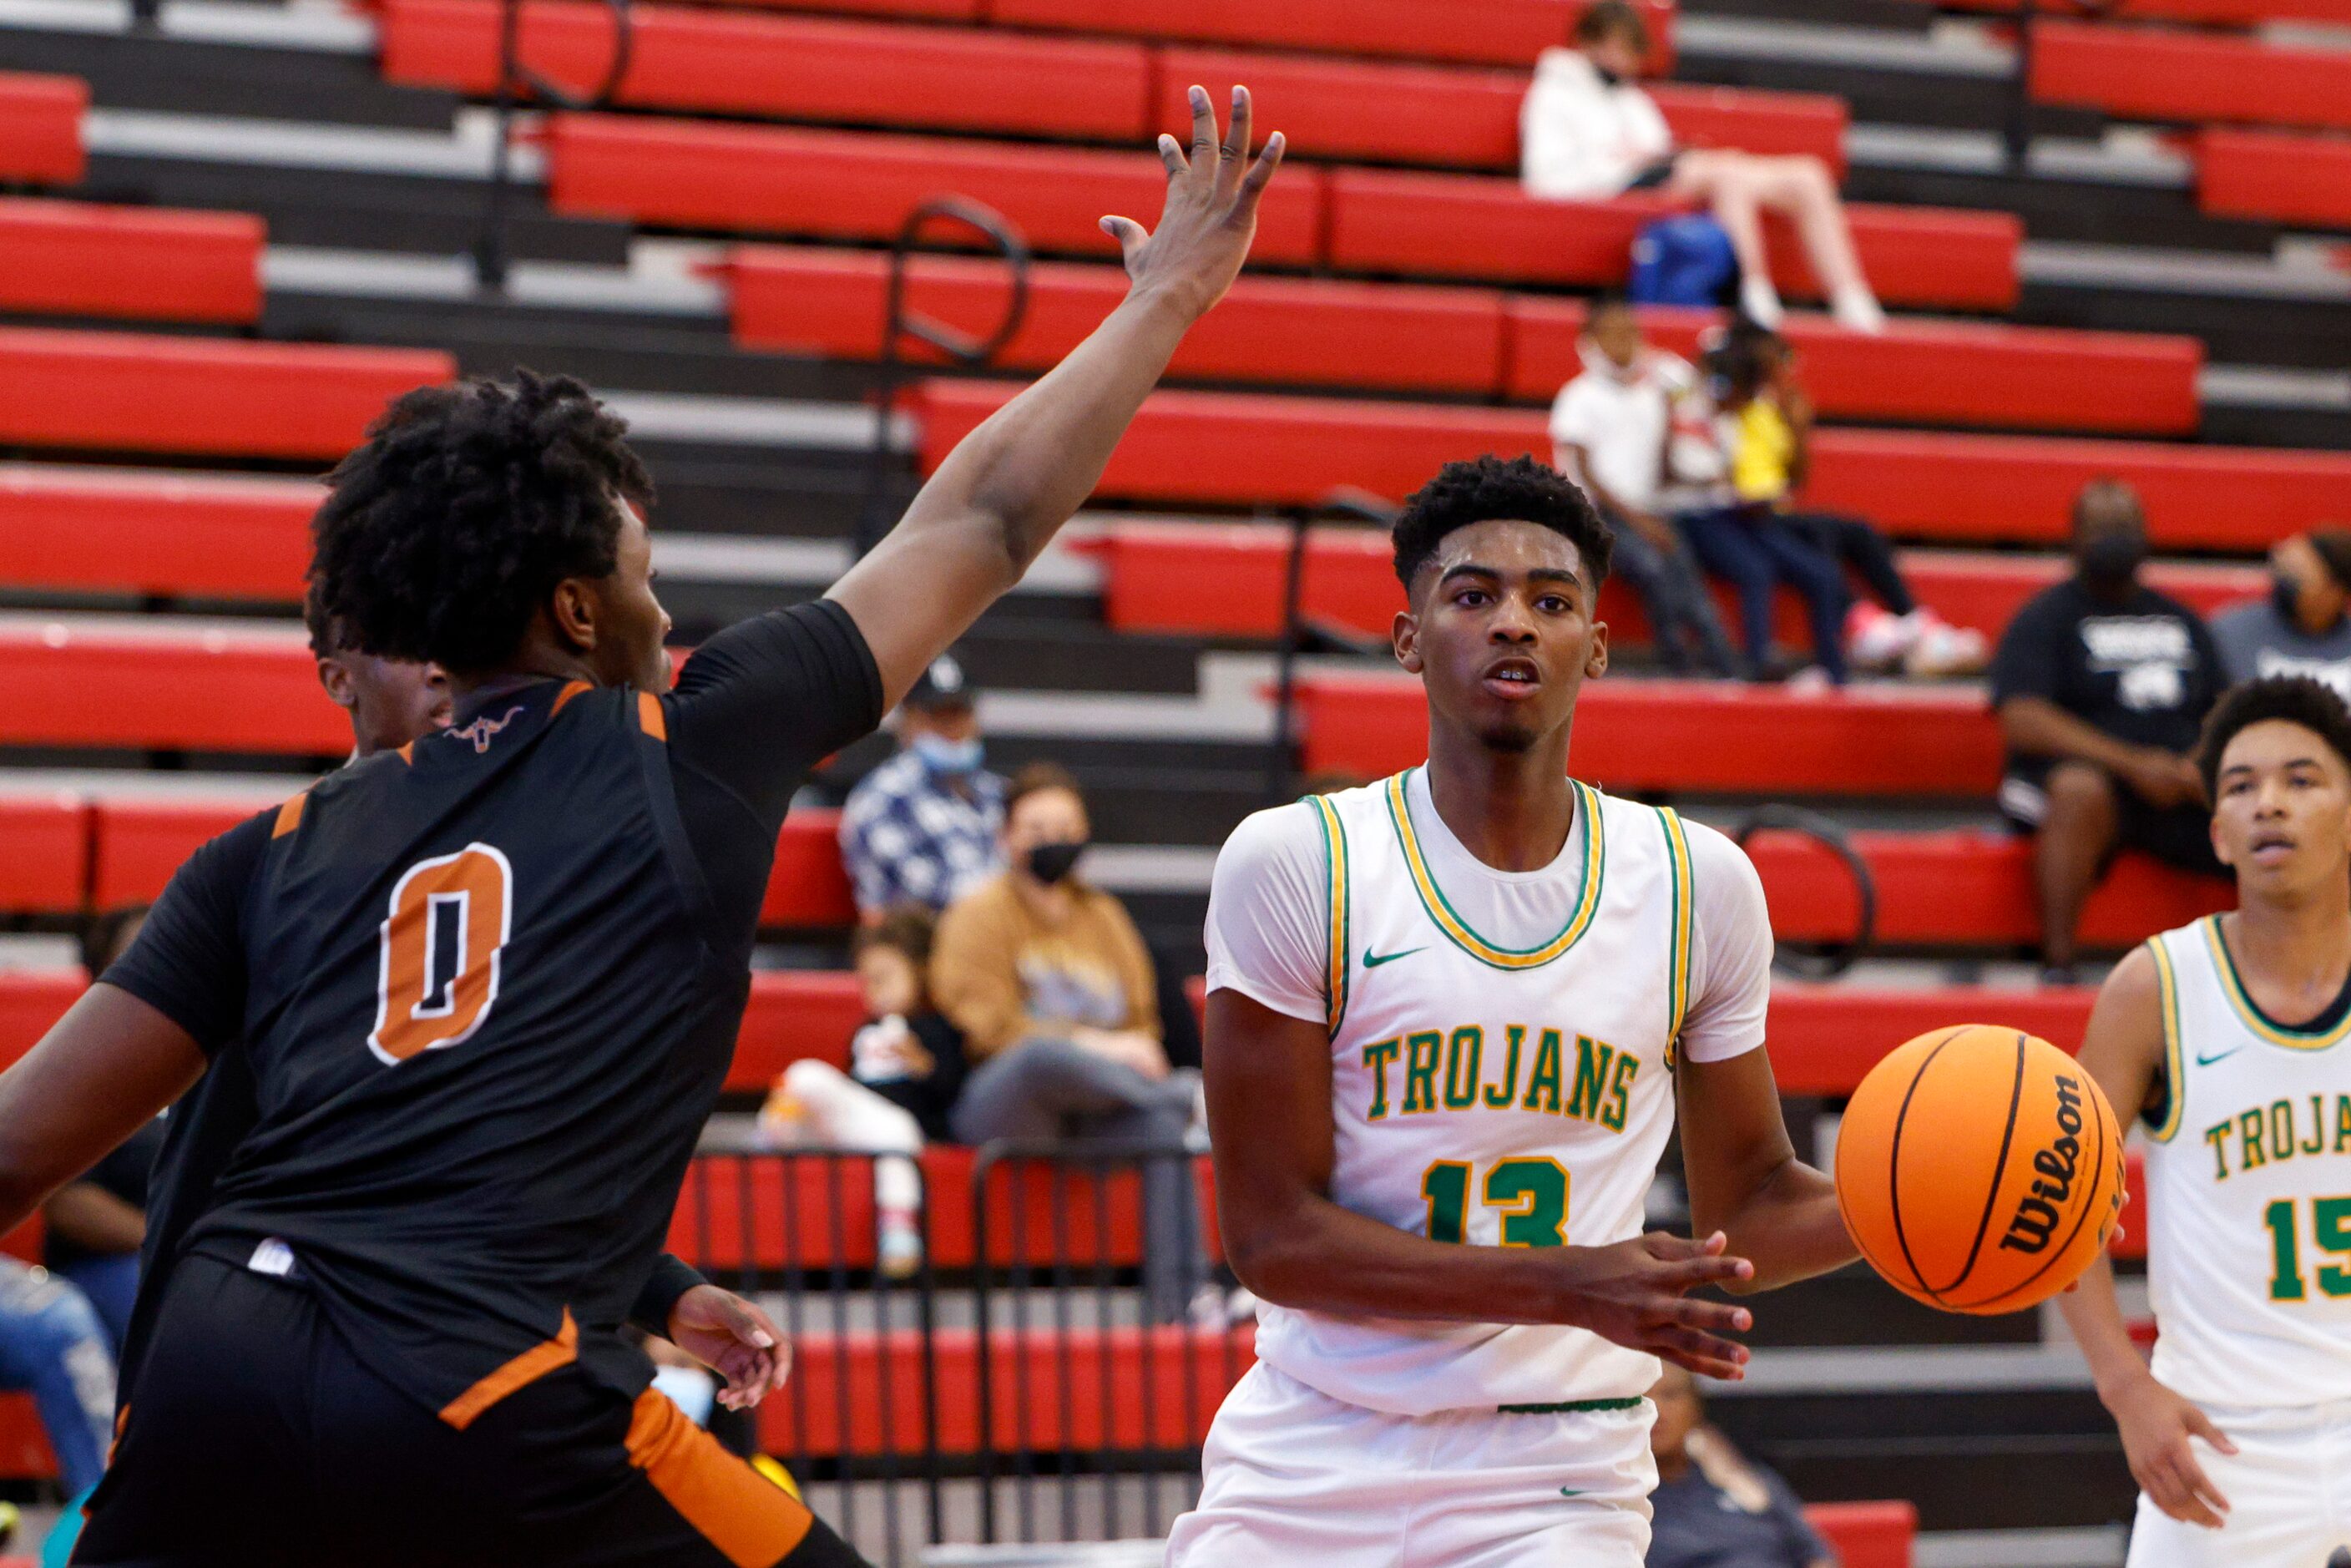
x=754, y=1522
x=528, y=1367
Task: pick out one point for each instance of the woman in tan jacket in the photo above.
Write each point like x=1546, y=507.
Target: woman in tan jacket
x=1051, y=984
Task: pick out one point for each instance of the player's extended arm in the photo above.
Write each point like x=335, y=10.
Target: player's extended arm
x=1745, y=1179
x=1269, y=1080
x=97, y=1076
x=1008, y=487
x=2121, y=1049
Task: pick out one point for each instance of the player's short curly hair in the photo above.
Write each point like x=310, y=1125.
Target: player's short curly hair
x=466, y=505
x=1492, y=487
x=2297, y=699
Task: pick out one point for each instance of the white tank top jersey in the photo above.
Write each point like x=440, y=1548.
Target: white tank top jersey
x=2249, y=1191
x=1502, y=1050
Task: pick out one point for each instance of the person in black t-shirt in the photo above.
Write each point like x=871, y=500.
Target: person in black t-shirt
x=488, y=984
x=2101, y=684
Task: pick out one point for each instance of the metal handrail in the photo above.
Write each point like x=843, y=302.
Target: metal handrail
x=1345, y=502
x=1829, y=835
x=1005, y=238
x=493, y=258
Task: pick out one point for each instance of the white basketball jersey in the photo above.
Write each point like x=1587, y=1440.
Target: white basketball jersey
x=2249, y=1191
x=1492, y=1096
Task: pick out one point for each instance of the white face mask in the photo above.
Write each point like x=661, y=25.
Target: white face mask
x=949, y=758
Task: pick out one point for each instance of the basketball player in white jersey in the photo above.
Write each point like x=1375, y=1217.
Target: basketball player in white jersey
x=2229, y=1037
x=1456, y=1007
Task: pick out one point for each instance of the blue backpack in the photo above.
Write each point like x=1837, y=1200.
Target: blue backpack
x=1682, y=260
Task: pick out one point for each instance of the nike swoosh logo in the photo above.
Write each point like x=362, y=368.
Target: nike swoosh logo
x=1569, y=1491
x=1373, y=960
x=2203, y=1060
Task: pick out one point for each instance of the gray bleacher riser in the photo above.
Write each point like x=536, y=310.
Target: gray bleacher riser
x=2111, y=213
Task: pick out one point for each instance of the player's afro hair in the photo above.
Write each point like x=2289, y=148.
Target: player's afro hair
x=1490, y=488
x=2297, y=699
x=465, y=508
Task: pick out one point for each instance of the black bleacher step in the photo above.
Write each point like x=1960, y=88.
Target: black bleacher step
x=1879, y=94
x=1854, y=1307
x=2096, y=211
x=342, y=209
x=180, y=75
x=1883, y=16
x=2326, y=429
x=793, y=493
x=2237, y=328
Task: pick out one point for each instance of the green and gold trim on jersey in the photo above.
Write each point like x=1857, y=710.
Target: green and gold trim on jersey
x=1459, y=931
x=2232, y=986
x=2162, y=1122
x=1334, y=859
x=1678, y=855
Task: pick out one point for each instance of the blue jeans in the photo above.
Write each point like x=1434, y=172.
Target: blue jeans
x=52, y=1344
x=111, y=1283
x=1755, y=550
x=1673, y=597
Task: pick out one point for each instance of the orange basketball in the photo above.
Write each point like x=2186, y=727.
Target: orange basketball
x=1979, y=1169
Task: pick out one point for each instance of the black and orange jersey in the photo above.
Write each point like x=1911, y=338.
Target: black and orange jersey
x=487, y=989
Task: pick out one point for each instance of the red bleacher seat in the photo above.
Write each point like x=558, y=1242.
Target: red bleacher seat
x=135, y=393
x=218, y=689
x=1968, y=886
x=1384, y=113
x=1937, y=373
x=2206, y=12
x=40, y=127
x=1505, y=32
x=848, y=185
x=1464, y=226
x=1825, y=1038
x=1318, y=333
x=1635, y=735
x=793, y=68
x=43, y=851
x=1205, y=448
x=2274, y=176
x=154, y=531
x=2153, y=74
x=933, y=10
x=24, y=1452
x=809, y=886
x=1225, y=579
x=69, y=258
x=1866, y=1534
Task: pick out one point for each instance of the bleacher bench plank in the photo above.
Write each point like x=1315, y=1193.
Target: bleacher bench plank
x=2274, y=176
x=1460, y=119
x=40, y=127
x=2205, y=13
x=791, y=68
x=44, y=853
x=1404, y=224
x=126, y=392
x=1504, y=31
x=154, y=531
x=217, y=690
x=142, y=264
x=857, y=185
x=2153, y=74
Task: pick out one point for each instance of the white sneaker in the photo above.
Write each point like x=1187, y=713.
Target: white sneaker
x=1858, y=310
x=899, y=1252
x=1945, y=651
x=1761, y=301
x=1878, y=639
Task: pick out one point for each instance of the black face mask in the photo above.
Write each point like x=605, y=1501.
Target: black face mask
x=1049, y=863
x=2285, y=597
x=2111, y=559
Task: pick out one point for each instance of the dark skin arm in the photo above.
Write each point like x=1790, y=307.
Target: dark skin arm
x=99, y=1074
x=1007, y=487
x=1745, y=1179
x=2036, y=727
x=1268, y=1080
x=94, y=1219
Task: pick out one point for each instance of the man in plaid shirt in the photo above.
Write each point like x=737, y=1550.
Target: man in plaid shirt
x=922, y=827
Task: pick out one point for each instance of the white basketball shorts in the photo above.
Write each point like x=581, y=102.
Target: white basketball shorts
x=2289, y=1491
x=1295, y=1477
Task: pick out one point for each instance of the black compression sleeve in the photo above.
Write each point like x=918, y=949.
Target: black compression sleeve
x=672, y=1278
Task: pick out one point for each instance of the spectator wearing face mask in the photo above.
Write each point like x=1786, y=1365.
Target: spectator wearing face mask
x=922, y=829
x=2101, y=684
x=1049, y=981
x=2301, y=628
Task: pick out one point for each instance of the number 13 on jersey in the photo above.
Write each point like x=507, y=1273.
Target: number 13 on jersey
x=437, y=974
x=1530, y=1195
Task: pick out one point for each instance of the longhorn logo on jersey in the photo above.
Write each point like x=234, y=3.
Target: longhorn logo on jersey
x=483, y=730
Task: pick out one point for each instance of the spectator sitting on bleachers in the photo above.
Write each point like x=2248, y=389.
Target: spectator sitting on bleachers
x=905, y=1068
x=1714, y=1507
x=1608, y=428
x=1050, y=982
x=1773, y=452
x=2101, y=684
x=389, y=701
x=1747, y=542
x=53, y=1346
x=2301, y=628
x=921, y=830
x=1587, y=131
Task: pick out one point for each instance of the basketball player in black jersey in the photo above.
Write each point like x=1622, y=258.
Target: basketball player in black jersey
x=488, y=984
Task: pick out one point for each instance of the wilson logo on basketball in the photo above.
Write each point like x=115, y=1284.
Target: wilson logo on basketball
x=2037, y=1213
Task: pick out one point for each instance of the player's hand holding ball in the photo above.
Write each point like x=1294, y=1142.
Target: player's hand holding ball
x=1631, y=1292
x=1978, y=1169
